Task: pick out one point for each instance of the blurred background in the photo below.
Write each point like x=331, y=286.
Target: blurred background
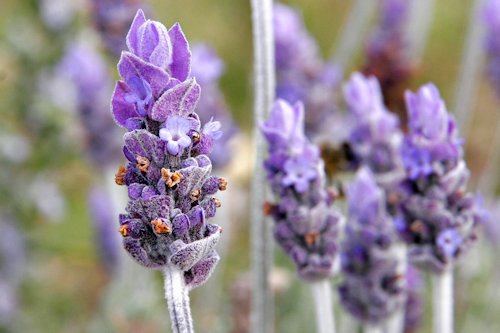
x=60, y=272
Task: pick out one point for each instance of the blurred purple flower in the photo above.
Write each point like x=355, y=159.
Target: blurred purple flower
x=86, y=68
x=374, y=284
x=362, y=95
x=375, y=138
x=439, y=218
x=206, y=66
x=285, y=126
x=306, y=226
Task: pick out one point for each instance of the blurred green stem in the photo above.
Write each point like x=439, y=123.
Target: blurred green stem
x=261, y=320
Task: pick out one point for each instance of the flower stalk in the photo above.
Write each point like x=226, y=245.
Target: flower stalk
x=442, y=297
x=322, y=296
x=176, y=294
x=168, y=174
x=264, y=83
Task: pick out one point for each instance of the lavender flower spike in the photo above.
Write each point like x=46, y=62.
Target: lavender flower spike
x=374, y=286
x=375, y=138
x=168, y=174
x=306, y=226
x=439, y=218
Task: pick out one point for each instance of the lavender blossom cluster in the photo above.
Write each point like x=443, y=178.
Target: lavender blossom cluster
x=300, y=72
x=439, y=218
x=168, y=174
x=374, y=285
x=491, y=19
x=375, y=138
x=306, y=224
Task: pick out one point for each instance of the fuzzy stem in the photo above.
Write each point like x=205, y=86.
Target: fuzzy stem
x=177, y=298
x=322, y=295
x=264, y=86
x=372, y=328
x=352, y=32
x=468, y=77
x=442, y=295
x=489, y=177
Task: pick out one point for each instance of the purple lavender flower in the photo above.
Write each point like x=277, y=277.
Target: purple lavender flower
x=154, y=44
x=491, y=20
x=88, y=72
x=433, y=145
x=175, y=134
x=207, y=68
x=301, y=73
x=375, y=138
x=154, y=66
x=374, y=285
x=112, y=19
x=306, y=224
x=168, y=175
x=439, y=218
